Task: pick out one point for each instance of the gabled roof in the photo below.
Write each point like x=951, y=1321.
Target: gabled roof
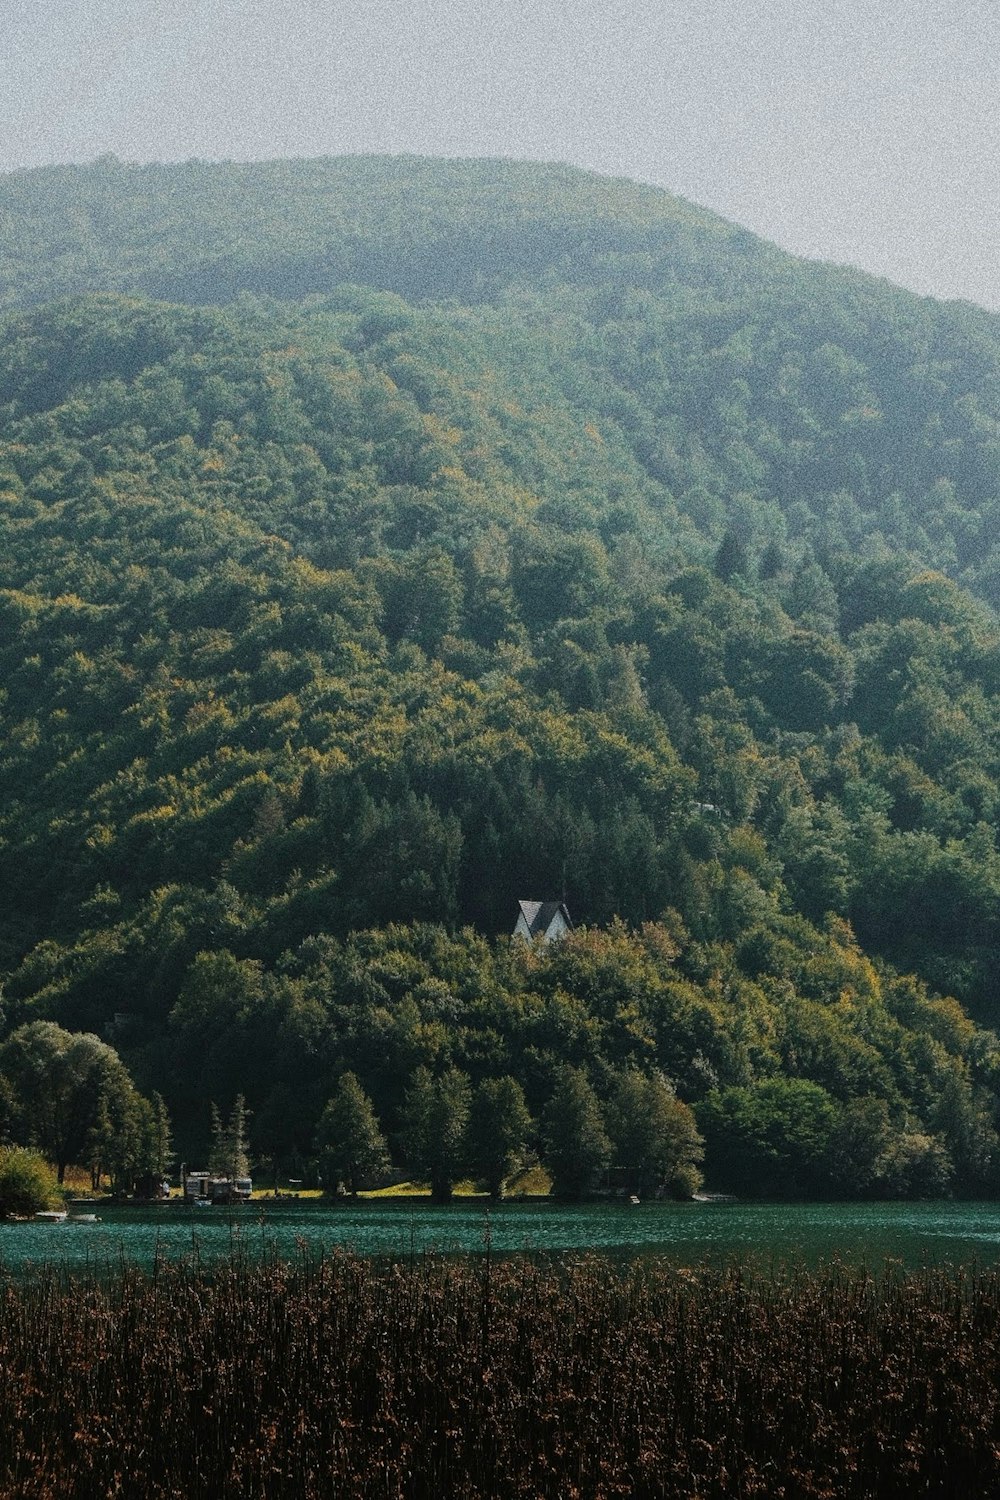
x=539, y=915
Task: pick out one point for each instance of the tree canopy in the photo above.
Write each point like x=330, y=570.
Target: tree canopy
x=475, y=531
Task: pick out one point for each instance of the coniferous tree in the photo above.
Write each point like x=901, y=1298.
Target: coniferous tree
x=100, y=1142
x=576, y=1149
x=159, y=1138
x=218, y=1154
x=499, y=1125
x=237, y=1145
x=731, y=558
x=436, y=1113
x=229, y=1154
x=351, y=1145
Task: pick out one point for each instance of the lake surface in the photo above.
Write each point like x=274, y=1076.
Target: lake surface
x=686, y=1233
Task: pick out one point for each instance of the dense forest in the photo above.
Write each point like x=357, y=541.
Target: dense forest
x=386, y=540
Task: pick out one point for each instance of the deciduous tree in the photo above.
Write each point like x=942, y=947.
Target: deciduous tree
x=655, y=1136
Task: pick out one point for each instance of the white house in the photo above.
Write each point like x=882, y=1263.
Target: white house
x=547, y=920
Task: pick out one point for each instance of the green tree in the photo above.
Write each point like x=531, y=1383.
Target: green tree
x=237, y=1141
x=776, y=1138
x=125, y=1157
x=58, y=1079
x=423, y=597
x=229, y=1154
x=435, y=1117
x=27, y=1182
x=352, y=1148
x=100, y=1142
x=655, y=1137
x=158, y=1153
x=576, y=1149
x=858, y=1158
x=914, y=1165
x=499, y=1126
x=731, y=558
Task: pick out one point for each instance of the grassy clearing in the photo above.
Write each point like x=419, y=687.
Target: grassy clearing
x=534, y=1182
x=266, y=1195
x=422, y=1190
x=447, y=1378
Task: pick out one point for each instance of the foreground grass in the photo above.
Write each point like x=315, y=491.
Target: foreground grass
x=449, y=1378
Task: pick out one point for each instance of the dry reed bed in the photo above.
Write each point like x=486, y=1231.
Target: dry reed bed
x=456, y=1378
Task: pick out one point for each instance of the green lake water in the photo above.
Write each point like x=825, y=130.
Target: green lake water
x=685, y=1233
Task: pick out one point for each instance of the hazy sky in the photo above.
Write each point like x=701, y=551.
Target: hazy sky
x=865, y=131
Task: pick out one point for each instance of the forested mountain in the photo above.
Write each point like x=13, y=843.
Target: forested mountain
x=385, y=540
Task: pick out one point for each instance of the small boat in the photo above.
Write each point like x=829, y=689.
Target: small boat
x=633, y=1200
x=203, y=1203
x=52, y=1215
x=84, y=1219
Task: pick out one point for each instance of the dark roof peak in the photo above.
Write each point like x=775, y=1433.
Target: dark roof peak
x=539, y=915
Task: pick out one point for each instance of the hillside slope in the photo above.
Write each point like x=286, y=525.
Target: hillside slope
x=500, y=532
x=780, y=396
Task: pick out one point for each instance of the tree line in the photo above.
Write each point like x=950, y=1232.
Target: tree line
x=647, y=1055
x=449, y=1131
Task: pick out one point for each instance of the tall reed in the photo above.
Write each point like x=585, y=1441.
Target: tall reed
x=346, y=1377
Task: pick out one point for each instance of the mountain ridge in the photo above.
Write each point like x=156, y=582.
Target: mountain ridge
x=349, y=200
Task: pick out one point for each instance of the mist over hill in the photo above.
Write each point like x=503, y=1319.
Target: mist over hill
x=207, y=232
x=384, y=540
